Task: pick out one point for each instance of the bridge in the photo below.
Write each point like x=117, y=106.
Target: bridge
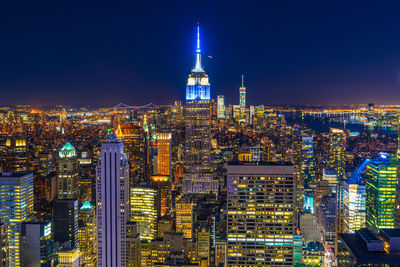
x=125, y=106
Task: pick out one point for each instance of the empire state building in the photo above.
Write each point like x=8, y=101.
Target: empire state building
x=197, y=176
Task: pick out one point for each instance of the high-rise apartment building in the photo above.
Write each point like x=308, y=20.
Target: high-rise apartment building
x=197, y=176
x=112, y=199
x=381, y=184
x=220, y=107
x=68, y=186
x=16, y=158
x=143, y=211
x=16, y=207
x=337, y=148
x=260, y=209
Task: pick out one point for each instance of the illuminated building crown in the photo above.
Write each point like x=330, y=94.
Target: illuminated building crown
x=198, y=86
x=68, y=151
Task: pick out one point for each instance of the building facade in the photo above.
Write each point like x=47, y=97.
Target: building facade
x=260, y=222
x=112, y=199
x=197, y=176
x=68, y=172
x=16, y=207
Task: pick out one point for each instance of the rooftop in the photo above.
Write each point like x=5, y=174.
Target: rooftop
x=365, y=257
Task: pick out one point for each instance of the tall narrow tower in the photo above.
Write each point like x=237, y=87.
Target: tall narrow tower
x=242, y=100
x=112, y=203
x=197, y=177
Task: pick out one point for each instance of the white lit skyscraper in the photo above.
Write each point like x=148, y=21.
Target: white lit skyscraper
x=242, y=97
x=112, y=203
x=197, y=176
x=220, y=107
x=260, y=222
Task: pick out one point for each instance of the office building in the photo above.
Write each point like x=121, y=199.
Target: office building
x=184, y=217
x=381, y=183
x=37, y=246
x=260, y=214
x=16, y=207
x=4, y=260
x=68, y=172
x=87, y=233
x=65, y=222
x=163, y=154
x=132, y=245
x=220, y=107
x=134, y=140
x=242, y=98
x=197, y=176
x=354, y=207
x=17, y=155
x=366, y=248
x=69, y=258
x=143, y=211
x=337, y=149
x=112, y=199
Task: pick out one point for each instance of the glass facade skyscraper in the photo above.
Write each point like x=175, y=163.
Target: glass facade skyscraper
x=16, y=207
x=381, y=183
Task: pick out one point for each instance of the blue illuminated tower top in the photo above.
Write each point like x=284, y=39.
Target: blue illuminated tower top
x=198, y=86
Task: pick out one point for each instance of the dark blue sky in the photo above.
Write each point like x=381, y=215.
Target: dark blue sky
x=301, y=52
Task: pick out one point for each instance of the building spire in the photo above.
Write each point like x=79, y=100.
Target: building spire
x=242, y=80
x=198, y=67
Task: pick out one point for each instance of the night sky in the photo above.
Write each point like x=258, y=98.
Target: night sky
x=136, y=52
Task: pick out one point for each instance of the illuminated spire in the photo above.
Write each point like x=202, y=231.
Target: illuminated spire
x=118, y=132
x=242, y=80
x=198, y=67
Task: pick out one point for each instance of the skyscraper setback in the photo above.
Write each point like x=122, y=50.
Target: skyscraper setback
x=197, y=176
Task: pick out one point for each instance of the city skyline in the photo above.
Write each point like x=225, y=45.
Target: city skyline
x=62, y=55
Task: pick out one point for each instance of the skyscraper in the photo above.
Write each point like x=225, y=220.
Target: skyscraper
x=381, y=183
x=260, y=214
x=220, y=107
x=112, y=203
x=134, y=139
x=354, y=206
x=197, y=177
x=242, y=100
x=37, y=244
x=87, y=233
x=16, y=207
x=65, y=222
x=143, y=211
x=163, y=153
x=68, y=173
x=337, y=148
x=17, y=157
